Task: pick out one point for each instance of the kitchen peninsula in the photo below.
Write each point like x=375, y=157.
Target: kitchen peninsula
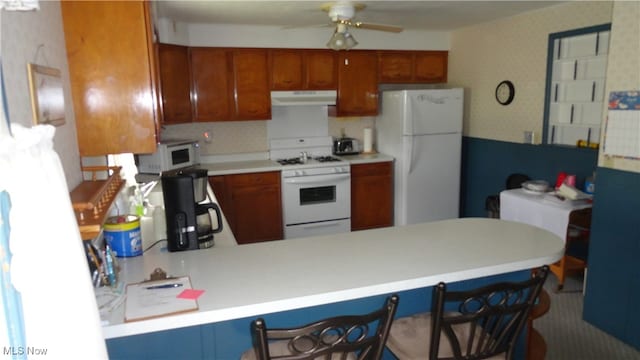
x=321, y=275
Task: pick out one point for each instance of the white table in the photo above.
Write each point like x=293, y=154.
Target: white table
x=542, y=210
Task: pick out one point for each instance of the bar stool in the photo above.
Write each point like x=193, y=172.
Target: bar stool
x=341, y=337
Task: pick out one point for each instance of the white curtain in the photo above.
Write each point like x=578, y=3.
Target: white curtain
x=48, y=266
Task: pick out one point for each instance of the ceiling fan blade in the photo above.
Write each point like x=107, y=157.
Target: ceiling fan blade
x=379, y=27
x=307, y=26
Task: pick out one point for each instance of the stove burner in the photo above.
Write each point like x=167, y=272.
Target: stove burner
x=290, y=161
x=326, y=159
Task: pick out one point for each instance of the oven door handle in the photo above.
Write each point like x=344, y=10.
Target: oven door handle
x=322, y=224
x=317, y=179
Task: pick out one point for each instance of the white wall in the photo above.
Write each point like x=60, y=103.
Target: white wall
x=38, y=37
x=513, y=49
x=623, y=70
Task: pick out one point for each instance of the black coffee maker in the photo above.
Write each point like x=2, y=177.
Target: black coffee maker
x=188, y=215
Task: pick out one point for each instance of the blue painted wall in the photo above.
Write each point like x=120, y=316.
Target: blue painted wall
x=487, y=163
x=613, y=281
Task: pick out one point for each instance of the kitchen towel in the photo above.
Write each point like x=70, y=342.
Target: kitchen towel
x=368, y=140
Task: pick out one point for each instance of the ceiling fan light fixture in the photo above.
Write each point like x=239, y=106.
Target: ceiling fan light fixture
x=341, y=39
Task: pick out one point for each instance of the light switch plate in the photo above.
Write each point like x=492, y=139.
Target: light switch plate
x=529, y=137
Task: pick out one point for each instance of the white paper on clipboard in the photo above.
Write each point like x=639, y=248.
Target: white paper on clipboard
x=151, y=299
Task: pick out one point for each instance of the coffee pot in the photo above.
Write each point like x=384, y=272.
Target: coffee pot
x=188, y=212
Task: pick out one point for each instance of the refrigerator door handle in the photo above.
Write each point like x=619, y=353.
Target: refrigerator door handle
x=411, y=138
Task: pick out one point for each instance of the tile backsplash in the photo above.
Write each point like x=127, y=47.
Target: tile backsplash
x=235, y=137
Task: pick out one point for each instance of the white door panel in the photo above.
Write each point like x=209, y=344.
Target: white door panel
x=431, y=190
x=433, y=112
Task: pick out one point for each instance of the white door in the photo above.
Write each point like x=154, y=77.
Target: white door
x=433, y=111
x=430, y=179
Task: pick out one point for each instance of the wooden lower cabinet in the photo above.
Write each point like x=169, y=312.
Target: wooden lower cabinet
x=252, y=205
x=371, y=195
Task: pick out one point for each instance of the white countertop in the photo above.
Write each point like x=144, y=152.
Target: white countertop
x=366, y=158
x=263, y=165
x=290, y=274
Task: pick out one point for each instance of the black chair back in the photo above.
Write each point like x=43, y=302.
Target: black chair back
x=341, y=337
x=488, y=320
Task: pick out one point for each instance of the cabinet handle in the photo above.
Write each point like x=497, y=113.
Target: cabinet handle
x=597, y=43
x=553, y=133
x=593, y=92
x=575, y=69
x=555, y=97
x=589, y=136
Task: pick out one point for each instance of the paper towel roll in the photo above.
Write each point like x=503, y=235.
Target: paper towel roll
x=368, y=140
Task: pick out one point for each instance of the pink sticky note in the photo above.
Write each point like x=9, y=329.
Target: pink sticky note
x=190, y=294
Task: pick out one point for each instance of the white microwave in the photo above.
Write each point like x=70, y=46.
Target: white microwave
x=170, y=155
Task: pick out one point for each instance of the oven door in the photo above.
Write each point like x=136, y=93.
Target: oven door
x=314, y=198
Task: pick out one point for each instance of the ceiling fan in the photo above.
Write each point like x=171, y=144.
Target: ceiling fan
x=343, y=12
x=342, y=15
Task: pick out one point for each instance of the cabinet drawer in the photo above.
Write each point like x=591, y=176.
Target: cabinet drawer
x=262, y=178
x=378, y=169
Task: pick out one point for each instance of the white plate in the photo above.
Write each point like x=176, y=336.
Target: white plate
x=533, y=192
x=540, y=186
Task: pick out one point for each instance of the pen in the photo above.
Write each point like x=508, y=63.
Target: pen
x=165, y=286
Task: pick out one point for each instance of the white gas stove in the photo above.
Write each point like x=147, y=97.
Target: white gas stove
x=316, y=186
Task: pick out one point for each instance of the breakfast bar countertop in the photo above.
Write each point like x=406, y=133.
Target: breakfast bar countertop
x=418, y=256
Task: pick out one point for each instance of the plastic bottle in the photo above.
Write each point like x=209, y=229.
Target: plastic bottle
x=590, y=184
x=159, y=223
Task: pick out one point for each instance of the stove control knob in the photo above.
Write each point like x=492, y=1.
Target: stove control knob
x=299, y=173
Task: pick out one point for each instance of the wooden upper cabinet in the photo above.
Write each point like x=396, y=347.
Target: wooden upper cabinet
x=357, y=83
x=302, y=69
x=431, y=66
x=112, y=74
x=251, y=84
x=286, y=69
x=395, y=66
x=321, y=69
x=175, y=83
x=212, y=85
x=412, y=66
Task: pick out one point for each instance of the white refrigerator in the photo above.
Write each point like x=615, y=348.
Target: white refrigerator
x=422, y=130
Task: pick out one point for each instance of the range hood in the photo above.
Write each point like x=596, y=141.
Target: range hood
x=303, y=97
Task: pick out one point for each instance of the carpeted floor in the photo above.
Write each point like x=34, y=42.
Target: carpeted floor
x=568, y=337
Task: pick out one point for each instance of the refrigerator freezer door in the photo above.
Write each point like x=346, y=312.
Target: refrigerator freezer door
x=430, y=191
x=433, y=111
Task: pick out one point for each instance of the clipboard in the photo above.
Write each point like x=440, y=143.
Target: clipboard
x=155, y=298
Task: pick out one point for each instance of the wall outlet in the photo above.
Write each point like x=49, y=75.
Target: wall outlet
x=207, y=136
x=529, y=137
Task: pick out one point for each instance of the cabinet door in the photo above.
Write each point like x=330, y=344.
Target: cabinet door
x=220, y=190
x=251, y=84
x=371, y=195
x=395, y=67
x=357, y=83
x=321, y=69
x=112, y=75
x=286, y=69
x=431, y=66
x=256, y=206
x=175, y=83
x=211, y=84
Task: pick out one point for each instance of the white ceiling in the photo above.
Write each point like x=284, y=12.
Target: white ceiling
x=412, y=15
